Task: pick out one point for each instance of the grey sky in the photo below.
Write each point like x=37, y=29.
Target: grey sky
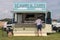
x=6, y=6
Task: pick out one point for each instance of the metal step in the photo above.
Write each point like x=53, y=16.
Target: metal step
x=28, y=33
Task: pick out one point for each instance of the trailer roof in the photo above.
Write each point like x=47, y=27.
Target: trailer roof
x=29, y=11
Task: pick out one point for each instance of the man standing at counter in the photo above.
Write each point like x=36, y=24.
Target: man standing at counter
x=38, y=23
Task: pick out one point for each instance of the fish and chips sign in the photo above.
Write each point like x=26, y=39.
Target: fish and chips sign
x=30, y=6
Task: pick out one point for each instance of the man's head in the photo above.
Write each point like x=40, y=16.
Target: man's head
x=38, y=17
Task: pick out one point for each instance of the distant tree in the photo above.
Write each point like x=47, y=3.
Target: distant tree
x=7, y=19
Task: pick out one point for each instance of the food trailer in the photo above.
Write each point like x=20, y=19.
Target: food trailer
x=25, y=14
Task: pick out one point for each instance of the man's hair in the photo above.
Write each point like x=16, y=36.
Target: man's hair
x=38, y=17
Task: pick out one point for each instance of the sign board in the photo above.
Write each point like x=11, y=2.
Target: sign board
x=30, y=6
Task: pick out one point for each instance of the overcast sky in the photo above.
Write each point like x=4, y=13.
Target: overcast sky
x=6, y=6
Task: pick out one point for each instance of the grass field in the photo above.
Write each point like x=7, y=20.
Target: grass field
x=55, y=36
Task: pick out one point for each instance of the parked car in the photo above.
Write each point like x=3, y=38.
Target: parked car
x=10, y=26
x=56, y=27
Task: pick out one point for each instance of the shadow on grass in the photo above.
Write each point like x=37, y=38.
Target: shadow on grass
x=53, y=33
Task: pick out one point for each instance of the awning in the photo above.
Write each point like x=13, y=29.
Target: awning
x=29, y=11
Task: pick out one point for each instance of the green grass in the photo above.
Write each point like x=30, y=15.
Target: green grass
x=55, y=36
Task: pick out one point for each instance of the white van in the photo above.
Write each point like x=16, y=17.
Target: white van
x=58, y=25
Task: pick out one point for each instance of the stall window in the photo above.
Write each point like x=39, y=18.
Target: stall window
x=29, y=17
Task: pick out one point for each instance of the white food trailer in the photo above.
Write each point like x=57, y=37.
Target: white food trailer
x=24, y=16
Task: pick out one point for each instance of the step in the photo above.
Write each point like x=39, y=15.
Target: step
x=28, y=33
x=27, y=29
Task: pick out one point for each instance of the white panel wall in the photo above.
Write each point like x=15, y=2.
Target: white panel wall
x=15, y=17
x=19, y=18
